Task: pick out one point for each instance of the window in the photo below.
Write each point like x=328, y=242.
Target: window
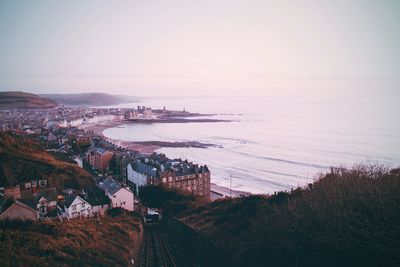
x=83, y=205
x=73, y=207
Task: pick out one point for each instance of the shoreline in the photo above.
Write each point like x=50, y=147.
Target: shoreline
x=144, y=147
x=219, y=192
x=99, y=129
x=149, y=147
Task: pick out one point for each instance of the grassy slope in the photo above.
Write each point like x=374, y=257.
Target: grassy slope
x=21, y=100
x=110, y=242
x=23, y=160
x=346, y=218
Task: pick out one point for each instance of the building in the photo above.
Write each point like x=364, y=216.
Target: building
x=99, y=158
x=140, y=174
x=46, y=201
x=97, y=198
x=190, y=178
x=20, y=210
x=12, y=192
x=158, y=169
x=120, y=197
x=33, y=185
x=78, y=161
x=76, y=207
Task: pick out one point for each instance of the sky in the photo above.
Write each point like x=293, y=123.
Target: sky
x=202, y=48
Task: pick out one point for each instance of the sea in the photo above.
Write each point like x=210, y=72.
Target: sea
x=274, y=144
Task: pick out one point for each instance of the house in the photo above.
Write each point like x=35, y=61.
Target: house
x=12, y=192
x=78, y=161
x=120, y=197
x=33, y=185
x=77, y=207
x=99, y=158
x=46, y=201
x=138, y=174
x=20, y=210
x=98, y=199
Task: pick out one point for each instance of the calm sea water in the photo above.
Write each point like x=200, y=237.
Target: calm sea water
x=277, y=143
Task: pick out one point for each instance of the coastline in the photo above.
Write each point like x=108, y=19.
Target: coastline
x=99, y=129
x=149, y=147
x=144, y=147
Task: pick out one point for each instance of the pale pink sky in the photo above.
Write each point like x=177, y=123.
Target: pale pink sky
x=201, y=48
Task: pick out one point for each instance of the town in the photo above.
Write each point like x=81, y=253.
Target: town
x=118, y=172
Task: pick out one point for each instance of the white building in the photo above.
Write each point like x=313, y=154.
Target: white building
x=138, y=177
x=78, y=161
x=120, y=197
x=77, y=207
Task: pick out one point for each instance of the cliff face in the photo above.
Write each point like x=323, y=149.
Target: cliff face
x=22, y=160
x=20, y=100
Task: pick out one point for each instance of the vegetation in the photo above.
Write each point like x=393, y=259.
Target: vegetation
x=348, y=217
x=21, y=100
x=171, y=200
x=22, y=160
x=108, y=242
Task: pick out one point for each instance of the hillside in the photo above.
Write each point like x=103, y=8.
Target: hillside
x=107, y=242
x=22, y=160
x=90, y=99
x=21, y=100
x=346, y=218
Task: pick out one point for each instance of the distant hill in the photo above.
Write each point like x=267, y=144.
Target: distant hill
x=23, y=160
x=90, y=99
x=21, y=100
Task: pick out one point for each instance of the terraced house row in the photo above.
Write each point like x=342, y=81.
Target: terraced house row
x=174, y=173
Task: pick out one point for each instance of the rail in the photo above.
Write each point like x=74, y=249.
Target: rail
x=159, y=249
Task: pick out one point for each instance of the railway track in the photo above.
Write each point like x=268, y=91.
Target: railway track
x=161, y=250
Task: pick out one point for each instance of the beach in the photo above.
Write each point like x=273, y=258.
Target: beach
x=99, y=128
x=150, y=147
x=144, y=147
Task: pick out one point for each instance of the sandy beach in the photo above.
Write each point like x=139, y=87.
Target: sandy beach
x=151, y=146
x=145, y=147
x=218, y=191
x=99, y=129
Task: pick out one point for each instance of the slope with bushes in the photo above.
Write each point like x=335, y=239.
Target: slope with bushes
x=110, y=241
x=23, y=160
x=346, y=218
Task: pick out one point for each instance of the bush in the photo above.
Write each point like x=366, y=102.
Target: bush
x=172, y=201
x=347, y=217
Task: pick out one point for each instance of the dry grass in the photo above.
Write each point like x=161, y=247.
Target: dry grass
x=23, y=160
x=108, y=242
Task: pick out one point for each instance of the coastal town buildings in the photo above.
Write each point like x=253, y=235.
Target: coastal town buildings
x=56, y=131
